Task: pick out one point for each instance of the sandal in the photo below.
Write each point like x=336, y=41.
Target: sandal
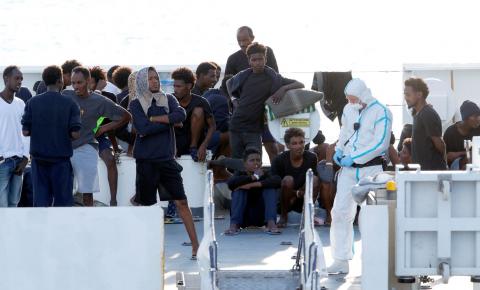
x=273, y=232
x=282, y=224
x=231, y=232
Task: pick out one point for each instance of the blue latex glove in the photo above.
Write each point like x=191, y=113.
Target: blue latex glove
x=337, y=157
x=347, y=161
x=193, y=153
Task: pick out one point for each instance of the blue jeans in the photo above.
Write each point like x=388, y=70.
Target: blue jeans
x=239, y=202
x=52, y=182
x=10, y=183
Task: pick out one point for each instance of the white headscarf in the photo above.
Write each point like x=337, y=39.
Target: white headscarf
x=358, y=88
x=143, y=93
x=132, y=86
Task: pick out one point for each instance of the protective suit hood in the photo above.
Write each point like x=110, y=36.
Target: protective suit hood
x=356, y=87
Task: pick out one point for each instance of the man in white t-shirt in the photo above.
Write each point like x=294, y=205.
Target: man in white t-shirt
x=14, y=147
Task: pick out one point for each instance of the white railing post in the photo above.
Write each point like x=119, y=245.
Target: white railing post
x=207, y=253
x=314, y=261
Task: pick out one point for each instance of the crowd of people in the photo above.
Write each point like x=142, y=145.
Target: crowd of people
x=80, y=114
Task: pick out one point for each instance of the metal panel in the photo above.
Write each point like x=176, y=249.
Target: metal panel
x=437, y=222
x=80, y=248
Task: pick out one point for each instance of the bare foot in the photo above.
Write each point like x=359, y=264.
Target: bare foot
x=282, y=223
x=232, y=231
x=328, y=221
x=195, y=249
x=272, y=228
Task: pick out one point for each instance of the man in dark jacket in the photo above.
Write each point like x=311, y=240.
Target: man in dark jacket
x=238, y=62
x=251, y=185
x=252, y=87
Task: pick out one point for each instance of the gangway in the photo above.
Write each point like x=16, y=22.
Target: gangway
x=306, y=273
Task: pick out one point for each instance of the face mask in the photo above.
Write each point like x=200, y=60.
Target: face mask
x=357, y=106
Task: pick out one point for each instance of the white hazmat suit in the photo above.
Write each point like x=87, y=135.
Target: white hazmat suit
x=364, y=136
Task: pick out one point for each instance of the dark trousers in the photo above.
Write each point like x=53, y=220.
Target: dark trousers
x=52, y=183
x=239, y=205
x=239, y=141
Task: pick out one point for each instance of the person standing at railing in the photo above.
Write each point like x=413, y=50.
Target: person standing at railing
x=154, y=116
x=238, y=62
x=85, y=152
x=14, y=148
x=252, y=87
x=52, y=121
x=361, y=147
x=428, y=148
x=120, y=79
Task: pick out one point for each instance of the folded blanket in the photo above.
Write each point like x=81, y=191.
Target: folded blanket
x=294, y=101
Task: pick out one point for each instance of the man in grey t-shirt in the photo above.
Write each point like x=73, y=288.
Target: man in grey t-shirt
x=85, y=149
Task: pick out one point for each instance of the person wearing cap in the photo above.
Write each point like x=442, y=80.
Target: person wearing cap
x=360, y=150
x=456, y=135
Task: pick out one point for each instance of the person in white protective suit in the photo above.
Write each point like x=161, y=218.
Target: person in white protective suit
x=363, y=141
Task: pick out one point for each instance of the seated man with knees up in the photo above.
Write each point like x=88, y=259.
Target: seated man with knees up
x=107, y=143
x=291, y=166
x=253, y=191
x=206, y=78
x=193, y=137
x=221, y=110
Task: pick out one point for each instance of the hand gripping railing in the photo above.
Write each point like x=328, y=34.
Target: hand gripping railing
x=207, y=252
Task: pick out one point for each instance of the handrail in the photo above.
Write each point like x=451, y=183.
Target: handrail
x=314, y=261
x=207, y=252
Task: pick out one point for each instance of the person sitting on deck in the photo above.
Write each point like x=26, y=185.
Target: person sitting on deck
x=107, y=143
x=252, y=191
x=194, y=136
x=456, y=135
x=221, y=110
x=206, y=78
x=291, y=166
x=405, y=155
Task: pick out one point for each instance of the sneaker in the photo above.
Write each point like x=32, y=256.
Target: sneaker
x=338, y=267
